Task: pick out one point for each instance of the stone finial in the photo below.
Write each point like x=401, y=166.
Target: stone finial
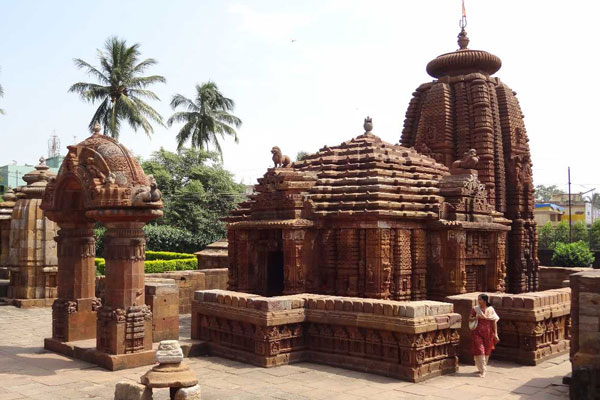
x=463, y=40
x=368, y=124
x=96, y=128
x=42, y=160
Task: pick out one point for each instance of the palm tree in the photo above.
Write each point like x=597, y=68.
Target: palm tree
x=207, y=118
x=121, y=88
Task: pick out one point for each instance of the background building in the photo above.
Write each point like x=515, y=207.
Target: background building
x=548, y=212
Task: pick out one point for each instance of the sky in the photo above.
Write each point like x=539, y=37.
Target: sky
x=303, y=73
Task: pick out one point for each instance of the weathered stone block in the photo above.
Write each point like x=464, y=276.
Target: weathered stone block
x=127, y=390
x=191, y=393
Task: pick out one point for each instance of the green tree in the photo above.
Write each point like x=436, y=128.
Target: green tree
x=579, y=232
x=301, y=155
x=544, y=193
x=121, y=90
x=546, y=236
x=197, y=191
x=561, y=232
x=595, y=235
x=206, y=118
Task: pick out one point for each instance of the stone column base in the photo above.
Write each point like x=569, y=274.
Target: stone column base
x=124, y=332
x=74, y=319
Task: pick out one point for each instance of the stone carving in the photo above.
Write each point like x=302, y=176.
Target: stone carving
x=279, y=159
x=171, y=372
x=146, y=194
x=100, y=181
x=169, y=351
x=469, y=160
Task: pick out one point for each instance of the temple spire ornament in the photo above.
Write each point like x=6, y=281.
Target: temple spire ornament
x=463, y=39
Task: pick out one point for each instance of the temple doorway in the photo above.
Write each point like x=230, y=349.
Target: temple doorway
x=275, y=273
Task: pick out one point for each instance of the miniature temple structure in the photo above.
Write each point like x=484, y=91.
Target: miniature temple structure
x=468, y=108
x=6, y=209
x=367, y=219
x=101, y=181
x=32, y=259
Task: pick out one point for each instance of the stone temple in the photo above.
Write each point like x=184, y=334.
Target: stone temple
x=467, y=108
x=369, y=255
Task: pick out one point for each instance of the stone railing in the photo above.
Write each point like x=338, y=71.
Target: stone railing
x=557, y=277
x=533, y=326
x=408, y=340
x=585, y=345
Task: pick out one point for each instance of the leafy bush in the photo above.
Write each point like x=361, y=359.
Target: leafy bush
x=167, y=255
x=576, y=254
x=561, y=232
x=546, y=236
x=579, y=232
x=595, y=235
x=159, y=261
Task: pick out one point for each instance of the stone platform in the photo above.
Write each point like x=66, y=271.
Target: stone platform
x=413, y=341
x=85, y=350
x=28, y=303
x=533, y=327
x=31, y=373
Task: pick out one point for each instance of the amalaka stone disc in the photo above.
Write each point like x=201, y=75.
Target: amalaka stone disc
x=169, y=375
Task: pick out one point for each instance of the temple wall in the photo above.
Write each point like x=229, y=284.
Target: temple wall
x=187, y=282
x=557, y=277
x=585, y=342
x=162, y=296
x=533, y=327
x=408, y=340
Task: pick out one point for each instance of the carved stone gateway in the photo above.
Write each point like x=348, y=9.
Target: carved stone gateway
x=100, y=181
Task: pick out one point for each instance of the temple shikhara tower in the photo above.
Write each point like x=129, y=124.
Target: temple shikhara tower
x=468, y=108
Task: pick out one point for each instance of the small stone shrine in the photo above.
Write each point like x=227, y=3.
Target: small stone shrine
x=32, y=259
x=6, y=209
x=100, y=181
x=368, y=219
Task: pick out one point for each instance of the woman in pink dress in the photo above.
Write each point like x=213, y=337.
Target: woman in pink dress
x=484, y=332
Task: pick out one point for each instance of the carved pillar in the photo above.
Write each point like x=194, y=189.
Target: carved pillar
x=347, y=262
x=379, y=269
x=125, y=321
x=242, y=261
x=328, y=254
x=4, y=238
x=232, y=281
x=402, y=260
x=419, y=265
x=453, y=263
x=74, y=311
x=294, y=266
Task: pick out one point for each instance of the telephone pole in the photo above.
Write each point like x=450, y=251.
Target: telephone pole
x=570, y=230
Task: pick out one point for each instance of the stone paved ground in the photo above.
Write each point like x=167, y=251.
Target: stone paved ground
x=27, y=371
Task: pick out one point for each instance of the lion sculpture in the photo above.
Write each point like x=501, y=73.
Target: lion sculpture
x=279, y=159
x=469, y=160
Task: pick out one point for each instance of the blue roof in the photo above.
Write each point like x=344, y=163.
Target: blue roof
x=551, y=205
